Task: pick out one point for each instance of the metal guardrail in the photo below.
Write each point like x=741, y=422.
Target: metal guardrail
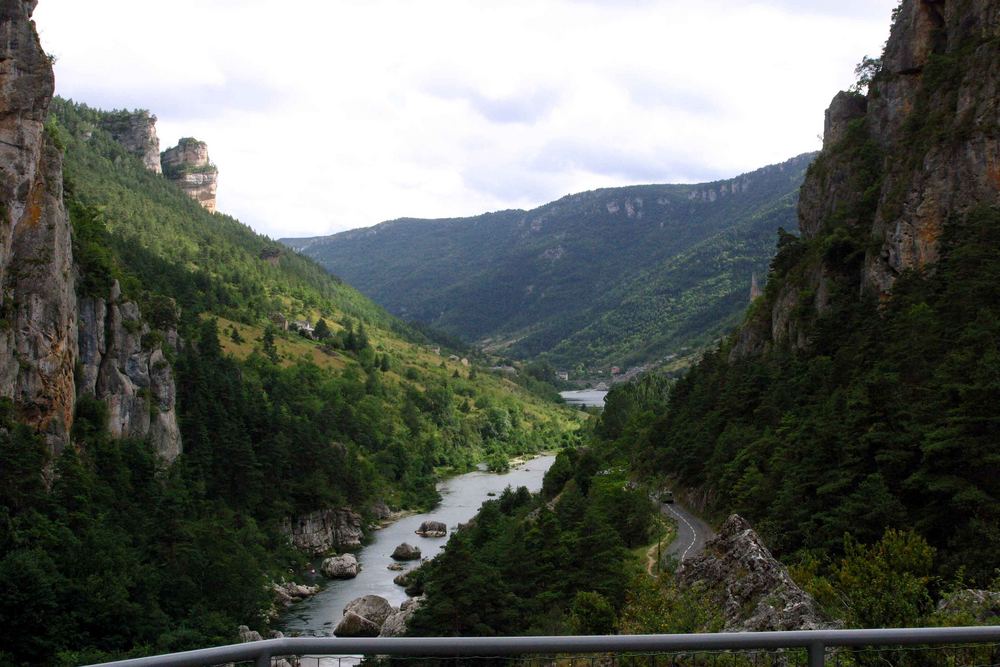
x=814, y=641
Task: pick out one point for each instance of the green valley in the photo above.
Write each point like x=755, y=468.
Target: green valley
x=612, y=277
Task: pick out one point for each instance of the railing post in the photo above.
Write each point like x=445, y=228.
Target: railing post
x=817, y=654
x=263, y=660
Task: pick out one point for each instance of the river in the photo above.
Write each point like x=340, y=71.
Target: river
x=589, y=397
x=461, y=497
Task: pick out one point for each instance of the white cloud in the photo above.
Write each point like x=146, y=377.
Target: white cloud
x=343, y=113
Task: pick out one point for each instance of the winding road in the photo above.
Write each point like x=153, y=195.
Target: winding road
x=692, y=532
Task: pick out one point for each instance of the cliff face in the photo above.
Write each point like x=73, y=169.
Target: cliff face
x=324, y=530
x=187, y=165
x=42, y=338
x=38, y=300
x=120, y=366
x=752, y=588
x=922, y=148
x=136, y=131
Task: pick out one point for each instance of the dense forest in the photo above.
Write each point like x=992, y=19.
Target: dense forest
x=611, y=277
x=107, y=552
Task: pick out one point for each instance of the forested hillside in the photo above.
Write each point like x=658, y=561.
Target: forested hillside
x=617, y=276
x=108, y=548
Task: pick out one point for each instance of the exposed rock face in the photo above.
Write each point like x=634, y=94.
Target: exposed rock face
x=756, y=593
x=922, y=148
x=432, y=529
x=38, y=298
x=122, y=367
x=187, y=165
x=406, y=552
x=136, y=131
x=960, y=168
x=324, y=530
x=341, y=567
x=396, y=624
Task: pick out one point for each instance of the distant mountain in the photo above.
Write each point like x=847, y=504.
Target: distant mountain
x=616, y=276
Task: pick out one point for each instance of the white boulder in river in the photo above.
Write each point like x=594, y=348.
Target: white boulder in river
x=406, y=552
x=432, y=529
x=345, y=566
x=364, y=617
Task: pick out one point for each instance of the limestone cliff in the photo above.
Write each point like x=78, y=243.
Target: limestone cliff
x=920, y=149
x=38, y=298
x=41, y=333
x=187, y=165
x=324, y=530
x=136, y=131
x=122, y=364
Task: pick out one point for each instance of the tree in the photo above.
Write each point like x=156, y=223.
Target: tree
x=269, y=347
x=886, y=585
x=322, y=330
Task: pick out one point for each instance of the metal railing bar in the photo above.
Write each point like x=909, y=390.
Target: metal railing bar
x=505, y=646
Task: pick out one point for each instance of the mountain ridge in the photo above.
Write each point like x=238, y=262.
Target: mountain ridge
x=509, y=275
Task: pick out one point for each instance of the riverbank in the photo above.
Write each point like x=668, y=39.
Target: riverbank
x=461, y=497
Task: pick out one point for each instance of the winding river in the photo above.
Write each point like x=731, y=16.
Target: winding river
x=461, y=497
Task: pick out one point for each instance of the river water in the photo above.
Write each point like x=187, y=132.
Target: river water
x=588, y=397
x=461, y=497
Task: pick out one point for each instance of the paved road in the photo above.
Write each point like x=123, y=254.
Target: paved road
x=692, y=532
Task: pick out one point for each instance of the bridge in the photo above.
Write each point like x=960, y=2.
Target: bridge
x=948, y=647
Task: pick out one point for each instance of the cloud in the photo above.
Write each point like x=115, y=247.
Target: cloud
x=522, y=106
x=343, y=114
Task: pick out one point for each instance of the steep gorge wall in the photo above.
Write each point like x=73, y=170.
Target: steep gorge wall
x=136, y=131
x=922, y=148
x=41, y=327
x=38, y=329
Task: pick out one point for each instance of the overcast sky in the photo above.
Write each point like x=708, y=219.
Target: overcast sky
x=335, y=114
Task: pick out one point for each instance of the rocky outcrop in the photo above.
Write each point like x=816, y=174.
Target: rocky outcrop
x=432, y=529
x=752, y=588
x=123, y=364
x=187, y=165
x=406, y=552
x=396, y=624
x=325, y=530
x=38, y=298
x=136, y=132
x=920, y=149
x=345, y=566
